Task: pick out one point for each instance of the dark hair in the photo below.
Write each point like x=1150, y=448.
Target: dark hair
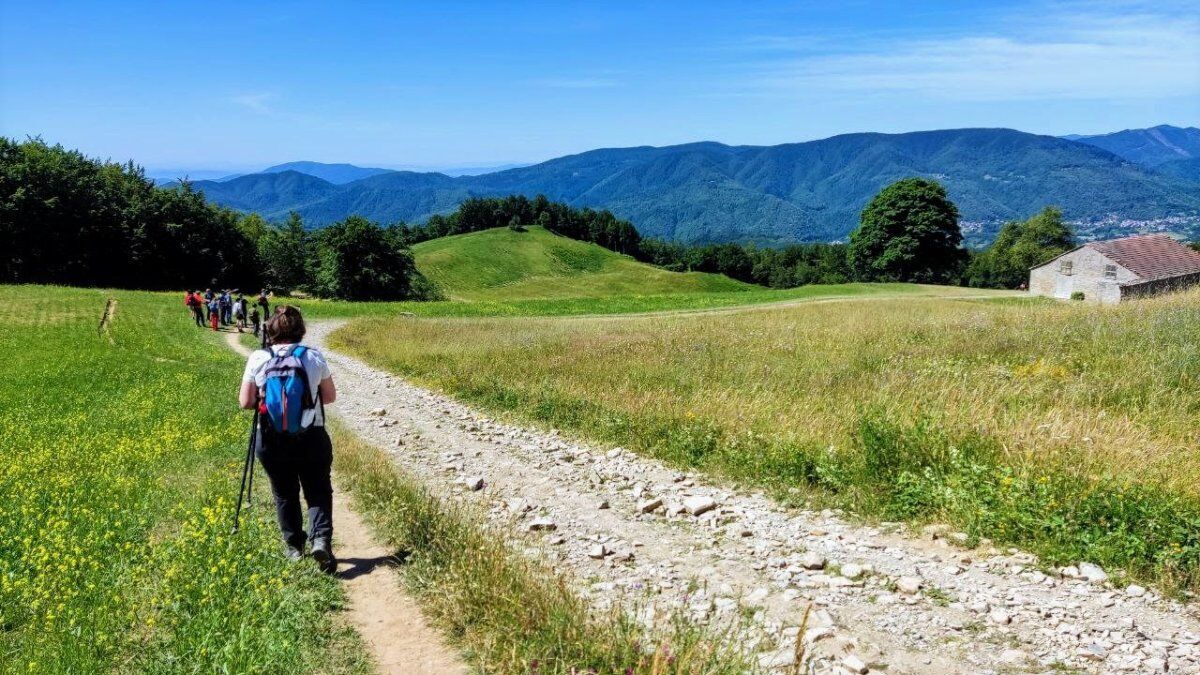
x=286, y=326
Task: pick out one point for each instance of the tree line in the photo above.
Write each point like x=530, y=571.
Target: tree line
x=908, y=232
x=69, y=219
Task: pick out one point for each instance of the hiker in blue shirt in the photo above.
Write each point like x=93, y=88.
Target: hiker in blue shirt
x=290, y=383
x=208, y=304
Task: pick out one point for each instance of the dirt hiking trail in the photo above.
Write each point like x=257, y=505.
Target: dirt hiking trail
x=630, y=529
x=389, y=621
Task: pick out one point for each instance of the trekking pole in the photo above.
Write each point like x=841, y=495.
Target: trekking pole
x=247, y=488
x=247, y=469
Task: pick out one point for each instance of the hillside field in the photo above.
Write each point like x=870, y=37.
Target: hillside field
x=1064, y=428
x=503, y=264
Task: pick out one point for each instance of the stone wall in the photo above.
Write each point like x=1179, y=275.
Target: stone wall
x=1148, y=288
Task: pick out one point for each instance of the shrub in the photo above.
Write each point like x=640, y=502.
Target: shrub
x=1077, y=295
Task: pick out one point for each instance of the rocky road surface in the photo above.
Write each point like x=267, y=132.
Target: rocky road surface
x=632, y=530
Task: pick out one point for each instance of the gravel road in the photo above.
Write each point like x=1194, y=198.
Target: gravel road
x=631, y=529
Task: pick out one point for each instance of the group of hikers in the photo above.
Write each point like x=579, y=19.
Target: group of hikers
x=227, y=308
x=289, y=384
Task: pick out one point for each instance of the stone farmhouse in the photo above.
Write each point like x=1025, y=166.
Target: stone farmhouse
x=1118, y=269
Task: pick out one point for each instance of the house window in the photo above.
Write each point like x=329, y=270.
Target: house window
x=1066, y=267
x=1110, y=271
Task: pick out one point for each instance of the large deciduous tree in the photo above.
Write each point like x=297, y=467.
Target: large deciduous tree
x=359, y=260
x=1020, y=246
x=287, y=256
x=908, y=232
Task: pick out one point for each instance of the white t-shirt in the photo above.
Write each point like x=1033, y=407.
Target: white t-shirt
x=314, y=366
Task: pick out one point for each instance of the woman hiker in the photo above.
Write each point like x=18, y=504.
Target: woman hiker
x=290, y=383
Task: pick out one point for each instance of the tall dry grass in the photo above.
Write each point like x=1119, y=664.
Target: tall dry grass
x=1114, y=387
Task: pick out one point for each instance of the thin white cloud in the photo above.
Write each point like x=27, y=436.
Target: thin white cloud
x=1065, y=56
x=259, y=103
x=575, y=83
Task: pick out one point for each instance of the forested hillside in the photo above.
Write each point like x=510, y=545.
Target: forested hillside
x=709, y=192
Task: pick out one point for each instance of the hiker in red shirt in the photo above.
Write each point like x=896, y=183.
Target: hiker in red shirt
x=195, y=304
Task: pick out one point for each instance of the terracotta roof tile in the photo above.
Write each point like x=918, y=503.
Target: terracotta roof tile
x=1150, y=256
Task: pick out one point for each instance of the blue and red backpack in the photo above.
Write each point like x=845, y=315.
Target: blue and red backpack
x=285, y=392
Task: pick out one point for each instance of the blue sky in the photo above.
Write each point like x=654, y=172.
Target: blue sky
x=241, y=85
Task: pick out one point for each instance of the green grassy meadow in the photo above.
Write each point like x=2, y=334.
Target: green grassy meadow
x=120, y=454
x=503, y=273
x=1065, y=428
x=624, y=304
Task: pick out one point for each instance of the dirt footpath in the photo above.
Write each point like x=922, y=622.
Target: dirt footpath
x=397, y=636
x=631, y=529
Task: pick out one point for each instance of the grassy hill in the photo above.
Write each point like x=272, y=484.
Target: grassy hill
x=502, y=264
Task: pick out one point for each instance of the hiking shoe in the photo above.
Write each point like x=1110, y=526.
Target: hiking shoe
x=293, y=554
x=322, y=553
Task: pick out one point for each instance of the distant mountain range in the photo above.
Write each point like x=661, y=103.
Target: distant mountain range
x=1149, y=147
x=338, y=174
x=813, y=191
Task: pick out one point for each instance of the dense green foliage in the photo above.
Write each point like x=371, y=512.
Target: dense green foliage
x=909, y=232
x=358, y=260
x=799, y=192
x=287, y=255
x=65, y=218
x=785, y=267
x=68, y=219
x=1020, y=246
x=119, y=464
